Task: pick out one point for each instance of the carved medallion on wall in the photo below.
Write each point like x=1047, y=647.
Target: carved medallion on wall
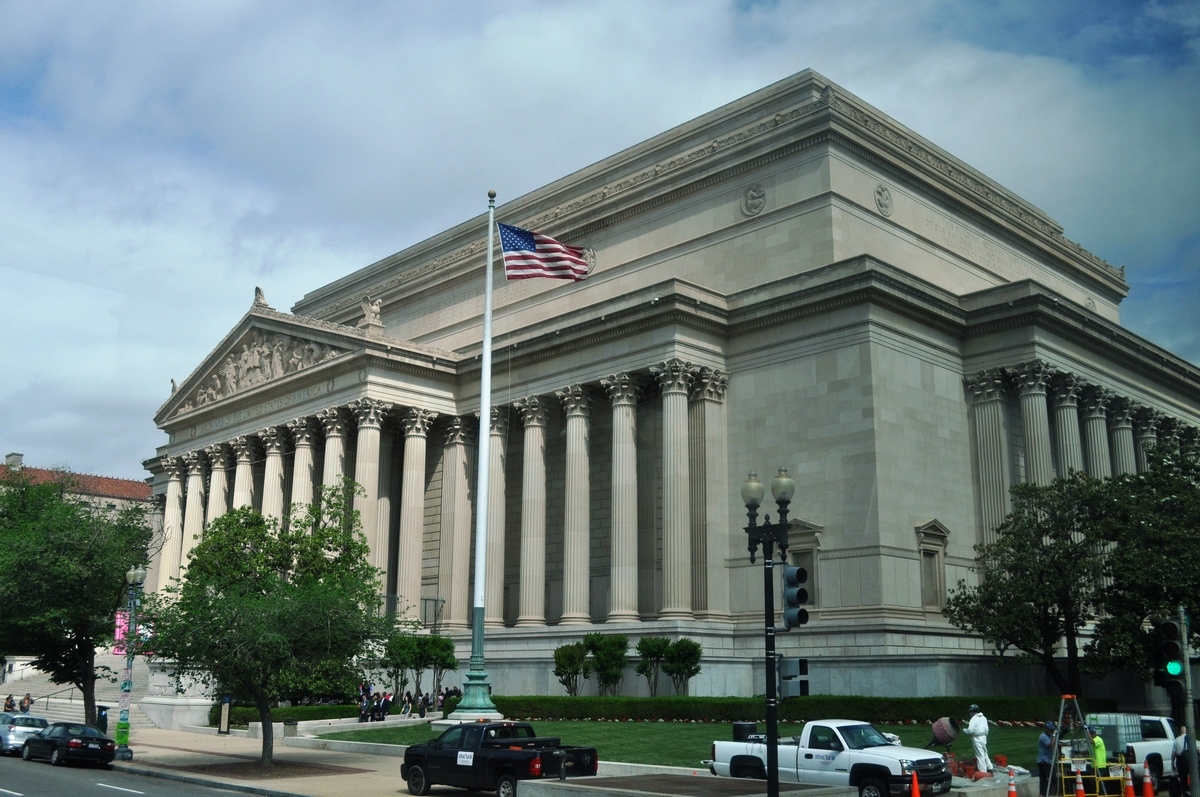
x=754, y=199
x=883, y=199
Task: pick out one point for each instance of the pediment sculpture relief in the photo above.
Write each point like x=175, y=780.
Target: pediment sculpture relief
x=261, y=358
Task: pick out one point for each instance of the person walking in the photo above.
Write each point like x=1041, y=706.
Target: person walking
x=10, y=705
x=26, y=703
x=977, y=729
x=1045, y=758
x=1181, y=755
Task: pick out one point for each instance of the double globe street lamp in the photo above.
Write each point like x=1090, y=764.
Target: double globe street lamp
x=134, y=579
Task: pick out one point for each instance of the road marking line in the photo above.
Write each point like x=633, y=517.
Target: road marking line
x=118, y=788
x=14, y=793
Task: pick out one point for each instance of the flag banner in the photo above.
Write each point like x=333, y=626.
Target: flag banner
x=529, y=254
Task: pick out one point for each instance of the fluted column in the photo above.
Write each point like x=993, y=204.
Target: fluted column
x=987, y=388
x=218, y=481
x=273, y=440
x=303, y=470
x=1121, y=413
x=172, y=554
x=533, y=514
x=494, y=575
x=577, y=538
x=412, y=511
x=675, y=380
x=193, y=511
x=709, y=494
x=623, y=556
x=454, y=571
x=1095, y=422
x=243, y=474
x=1066, y=422
x=369, y=414
x=1032, y=379
x=334, y=424
x=1145, y=436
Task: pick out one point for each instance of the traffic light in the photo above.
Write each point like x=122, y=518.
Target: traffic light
x=793, y=677
x=1170, y=648
x=794, y=596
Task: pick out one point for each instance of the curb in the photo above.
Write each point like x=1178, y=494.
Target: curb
x=210, y=782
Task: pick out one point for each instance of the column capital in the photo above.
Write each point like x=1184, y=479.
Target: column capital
x=243, y=447
x=1032, y=377
x=1067, y=389
x=532, y=409
x=987, y=385
x=622, y=388
x=1169, y=429
x=575, y=400
x=302, y=431
x=1095, y=401
x=1146, y=421
x=459, y=431
x=1189, y=436
x=173, y=467
x=194, y=461
x=332, y=421
x=273, y=439
x=218, y=456
x=416, y=422
x=369, y=412
x=498, y=422
x=674, y=375
x=1121, y=410
x=709, y=385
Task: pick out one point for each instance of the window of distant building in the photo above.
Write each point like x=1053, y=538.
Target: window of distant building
x=931, y=545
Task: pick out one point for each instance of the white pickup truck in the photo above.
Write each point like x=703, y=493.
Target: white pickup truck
x=1144, y=740
x=837, y=753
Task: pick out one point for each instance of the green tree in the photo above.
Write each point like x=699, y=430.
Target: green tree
x=571, y=666
x=682, y=663
x=651, y=650
x=610, y=654
x=262, y=605
x=1040, y=580
x=62, y=577
x=439, y=652
x=399, y=655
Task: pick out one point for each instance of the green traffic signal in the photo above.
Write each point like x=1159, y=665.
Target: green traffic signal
x=1174, y=668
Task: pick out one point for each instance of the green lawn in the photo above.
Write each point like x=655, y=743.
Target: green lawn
x=686, y=744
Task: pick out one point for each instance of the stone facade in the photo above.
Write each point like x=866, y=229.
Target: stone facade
x=794, y=279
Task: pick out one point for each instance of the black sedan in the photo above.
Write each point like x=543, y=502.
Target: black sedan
x=70, y=741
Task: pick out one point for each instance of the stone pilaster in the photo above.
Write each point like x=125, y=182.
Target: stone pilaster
x=454, y=573
x=532, y=610
x=416, y=424
x=369, y=413
x=675, y=381
x=494, y=575
x=273, y=441
x=577, y=539
x=1032, y=380
x=303, y=467
x=623, y=557
x=243, y=475
x=172, y=553
x=1146, y=422
x=193, y=512
x=991, y=443
x=1095, y=422
x=1069, y=449
x=1121, y=412
x=709, y=494
x=218, y=481
x=333, y=422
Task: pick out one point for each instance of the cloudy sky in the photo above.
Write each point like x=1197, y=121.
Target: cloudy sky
x=158, y=160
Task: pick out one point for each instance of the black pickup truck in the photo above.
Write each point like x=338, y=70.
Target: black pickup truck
x=491, y=756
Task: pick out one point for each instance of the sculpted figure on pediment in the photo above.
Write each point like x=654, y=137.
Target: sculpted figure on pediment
x=261, y=358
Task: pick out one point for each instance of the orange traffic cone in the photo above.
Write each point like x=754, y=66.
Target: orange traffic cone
x=1147, y=786
x=916, y=787
x=1079, y=792
x=1012, y=783
x=1129, y=792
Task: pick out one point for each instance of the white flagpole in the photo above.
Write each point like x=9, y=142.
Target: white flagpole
x=475, y=693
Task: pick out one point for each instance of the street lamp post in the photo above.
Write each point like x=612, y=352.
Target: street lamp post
x=769, y=535
x=134, y=578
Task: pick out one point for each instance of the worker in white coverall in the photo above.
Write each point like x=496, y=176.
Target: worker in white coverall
x=977, y=729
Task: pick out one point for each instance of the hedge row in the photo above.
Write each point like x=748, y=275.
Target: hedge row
x=244, y=715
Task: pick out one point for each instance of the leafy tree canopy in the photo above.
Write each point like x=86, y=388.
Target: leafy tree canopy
x=571, y=666
x=651, y=650
x=682, y=662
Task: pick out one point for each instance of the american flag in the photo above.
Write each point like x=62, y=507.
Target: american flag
x=530, y=254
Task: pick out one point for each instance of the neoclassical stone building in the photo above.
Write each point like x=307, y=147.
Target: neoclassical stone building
x=794, y=280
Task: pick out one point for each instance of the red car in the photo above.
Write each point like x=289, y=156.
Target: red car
x=70, y=741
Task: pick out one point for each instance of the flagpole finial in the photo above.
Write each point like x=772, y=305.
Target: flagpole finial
x=492, y=194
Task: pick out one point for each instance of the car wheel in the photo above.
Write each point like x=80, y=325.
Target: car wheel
x=55, y=758
x=747, y=772
x=872, y=788
x=1155, y=775
x=506, y=786
x=25, y=754
x=417, y=782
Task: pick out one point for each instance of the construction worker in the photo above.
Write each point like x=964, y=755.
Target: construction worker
x=977, y=729
x=1045, y=758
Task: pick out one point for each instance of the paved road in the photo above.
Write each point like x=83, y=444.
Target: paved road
x=38, y=779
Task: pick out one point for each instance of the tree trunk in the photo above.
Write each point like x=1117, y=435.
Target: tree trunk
x=1072, y=661
x=268, y=731
x=85, y=654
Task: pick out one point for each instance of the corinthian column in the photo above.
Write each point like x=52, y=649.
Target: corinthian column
x=1146, y=423
x=709, y=493
x=577, y=541
x=991, y=442
x=1121, y=411
x=494, y=574
x=1066, y=422
x=1031, y=380
x=172, y=553
x=533, y=514
x=412, y=511
x=273, y=441
x=369, y=414
x=334, y=424
x=454, y=571
x=303, y=471
x=193, y=512
x=218, y=481
x=675, y=380
x=243, y=475
x=623, y=556
x=1095, y=422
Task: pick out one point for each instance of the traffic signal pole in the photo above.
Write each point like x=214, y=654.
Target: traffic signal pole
x=1189, y=710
